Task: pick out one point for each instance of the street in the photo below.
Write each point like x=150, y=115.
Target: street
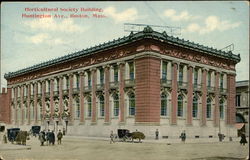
x=74, y=148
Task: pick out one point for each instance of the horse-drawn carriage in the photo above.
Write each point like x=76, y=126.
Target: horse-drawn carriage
x=35, y=130
x=18, y=136
x=125, y=135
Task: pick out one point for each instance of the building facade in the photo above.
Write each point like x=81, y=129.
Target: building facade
x=242, y=106
x=145, y=81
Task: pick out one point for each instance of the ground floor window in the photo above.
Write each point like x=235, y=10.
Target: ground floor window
x=180, y=106
x=116, y=105
x=195, y=107
x=221, y=109
x=101, y=104
x=163, y=104
x=132, y=104
x=208, y=108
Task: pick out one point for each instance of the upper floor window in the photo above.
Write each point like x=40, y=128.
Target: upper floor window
x=209, y=79
x=89, y=102
x=181, y=74
x=237, y=100
x=77, y=81
x=116, y=73
x=131, y=70
x=221, y=81
x=67, y=82
x=101, y=70
x=164, y=70
x=195, y=76
x=89, y=78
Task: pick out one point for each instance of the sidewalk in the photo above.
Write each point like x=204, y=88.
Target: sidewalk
x=10, y=146
x=165, y=141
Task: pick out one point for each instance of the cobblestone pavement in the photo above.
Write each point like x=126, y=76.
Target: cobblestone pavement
x=77, y=148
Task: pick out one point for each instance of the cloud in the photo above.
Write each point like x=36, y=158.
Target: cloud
x=129, y=14
x=44, y=38
x=49, y=24
x=211, y=23
x=184, y=15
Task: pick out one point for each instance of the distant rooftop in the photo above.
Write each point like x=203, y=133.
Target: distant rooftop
x=242, y=83
x=147, y=33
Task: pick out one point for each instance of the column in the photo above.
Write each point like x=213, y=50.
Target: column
x=21, y=108
x=81, y=97
x=71, y=98
x=147, y=90
x=216, y=107
x=93, y=73
x=106, y=90
x=15, y=99
x=28, y=101
x=35, y=103
x=231, y=92
x=204, y=97
x=121, y=91
x=60, y=96
x=174, y=94
x=51, y=98
x=190, y=95
x=43, y=98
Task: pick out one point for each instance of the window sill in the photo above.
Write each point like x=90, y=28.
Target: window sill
x=100, y=117
x=130, y=116
x=164, y=117
x=182, y=118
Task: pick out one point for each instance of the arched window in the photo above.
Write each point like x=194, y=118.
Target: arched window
x=132, y=104
x=209, y=108
x=77, y=108
x=195, y=106
x=163, y=104
x=180, y=106
x=101, y=104
x=116, y=105
x=89, y=104
x=221, y=109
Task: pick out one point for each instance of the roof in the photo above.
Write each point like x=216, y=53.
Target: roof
x=244, y=83
x=147, y=33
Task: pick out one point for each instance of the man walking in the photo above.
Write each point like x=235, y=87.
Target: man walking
x=59, y=137
x=156, y=134
x=111, y=137
x=183, y=136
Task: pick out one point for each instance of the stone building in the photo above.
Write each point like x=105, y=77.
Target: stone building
x=242, y=106
x=145, y=81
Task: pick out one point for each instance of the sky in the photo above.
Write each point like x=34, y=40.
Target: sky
x=26, y=41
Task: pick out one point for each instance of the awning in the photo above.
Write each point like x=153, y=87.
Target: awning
x=239, y=125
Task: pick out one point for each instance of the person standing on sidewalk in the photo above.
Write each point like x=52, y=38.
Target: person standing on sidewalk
x=111, y=137
x=243, y=139
x=59, y=137
x=156, y=134
x=183, y=136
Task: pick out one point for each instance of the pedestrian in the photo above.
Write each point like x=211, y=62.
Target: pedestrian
x=156, y=134
x=4, y=138
x=111, y=137
x=64, y=131
x=42, y=137
x=12, y=136
x=243, y=139
x=183, y=136
x=52, y=138
x=59, y=137
x=221, y=136
x=48, y=137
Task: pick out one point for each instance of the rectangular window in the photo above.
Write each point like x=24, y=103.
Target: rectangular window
x=209, y=79
x=131, y=71
x=101, y=76
x=67, y=82
x=181, y=74
x=221, y=81
x=195, y=76
x=116, y=73
x=238, y=100
x=164, y=70
x=89, y=79
x=77, y=81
